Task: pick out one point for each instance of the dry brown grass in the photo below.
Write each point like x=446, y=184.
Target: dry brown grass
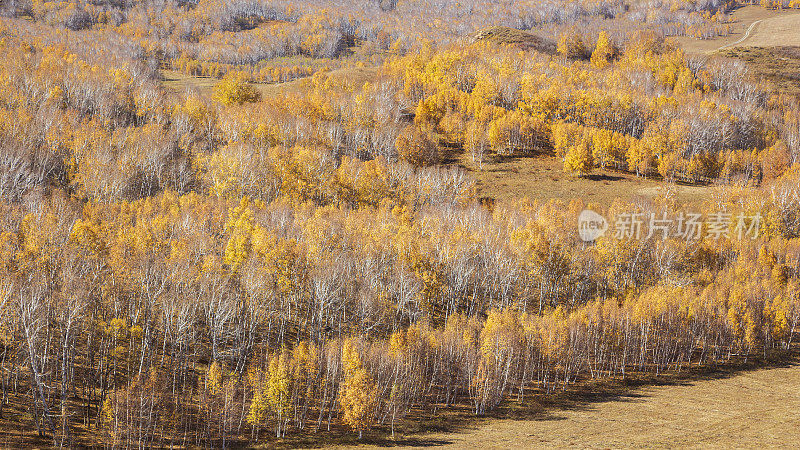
x=543, y=178
x=177, y=81
x=511, y=36
x=720, y=409
x=205, y=85
x=771, y=22
x=780, y=30
x=779, y=66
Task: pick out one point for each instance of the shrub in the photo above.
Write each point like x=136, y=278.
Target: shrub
x=235, y=89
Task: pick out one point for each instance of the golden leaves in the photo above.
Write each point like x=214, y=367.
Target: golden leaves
x=235, y=89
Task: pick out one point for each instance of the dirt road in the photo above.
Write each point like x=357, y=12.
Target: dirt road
x=746, y=35
x=754, y=26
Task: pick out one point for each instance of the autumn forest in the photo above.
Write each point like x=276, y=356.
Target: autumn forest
x=283, y=241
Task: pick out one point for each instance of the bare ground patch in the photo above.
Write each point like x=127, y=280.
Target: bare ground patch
x=542, y=178
x=743, y=18
x=736, y=409
x=205, y=85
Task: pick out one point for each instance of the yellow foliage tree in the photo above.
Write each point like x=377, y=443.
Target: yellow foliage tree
x=570, y=44
x=235, y=89
x=272, y=393
x=579, y=160
x=214, y=378
x=358, y=394
x=417, y=146
x=603, y=51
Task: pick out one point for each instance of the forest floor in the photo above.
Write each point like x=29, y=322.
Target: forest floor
x=731, y=407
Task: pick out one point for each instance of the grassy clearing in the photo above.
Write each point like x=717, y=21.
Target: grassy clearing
x=543, y=178
x=178, y=81
x=730, y=407
x=205, y=85
x=780, y=30
x=743, y=18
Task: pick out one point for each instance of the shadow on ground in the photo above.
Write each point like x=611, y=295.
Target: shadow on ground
x=584, y=395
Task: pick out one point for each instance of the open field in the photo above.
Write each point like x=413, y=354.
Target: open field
x=178, y=81
x=543, y=178
x=205, y=85
x=749, y=409
x=767, y=27
x=782, y=30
